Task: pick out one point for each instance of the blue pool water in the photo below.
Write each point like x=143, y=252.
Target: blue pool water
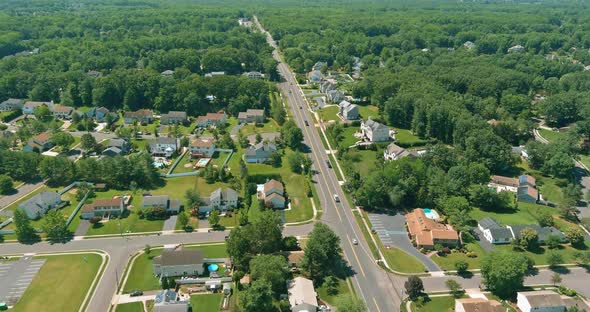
x=213, y=267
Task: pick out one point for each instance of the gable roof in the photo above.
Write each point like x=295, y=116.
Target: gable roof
x=525, y=178
x=39, y=202
x=272, y=196
x=301, y=291
x=175, y=114
x=166, y=140
x=62, y=109
x=505, y=180
x=255, y=112
x=179, y=257
x=542, y=298
x=373, y=125
x=156, y=200
x=42, y=137
x=480, y=305
x=265, y=147
x=528, y=190
x=118, y=142
x=273, y=184
x=489, y=223
x=202, y=143
x=427, y=230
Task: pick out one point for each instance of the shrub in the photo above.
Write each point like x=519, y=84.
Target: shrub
x=461, y=266
x=94, y=220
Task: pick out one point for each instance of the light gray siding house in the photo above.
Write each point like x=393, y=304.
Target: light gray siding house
x=374, y=131
x=161, y=201
x=260, y=152
x=221, y=199
x=181, y=262
x=11, y=105
x=173, y=117
x=164, y=147
x=348, y=111
x=38, y=205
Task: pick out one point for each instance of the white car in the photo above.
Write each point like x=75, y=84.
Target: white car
x=336, y=198
x=355, y=242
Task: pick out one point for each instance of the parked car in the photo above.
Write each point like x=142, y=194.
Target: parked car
x=328, y=164
x=136, y=293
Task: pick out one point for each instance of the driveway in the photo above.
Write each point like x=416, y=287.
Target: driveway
x=234, y=131
x=391, y=229
x=484, y=243
x=170, y=223
x=82, y=228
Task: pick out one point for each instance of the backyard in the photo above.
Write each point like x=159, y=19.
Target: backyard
x=130, y=307
x=269, y=126
x=141, y=276
x=74, y=275
x=206, y=302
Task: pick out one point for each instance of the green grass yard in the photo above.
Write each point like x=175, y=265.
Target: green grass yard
x=206, y=302
x=447, y=262
x=73, y=274
x=269, y=126
x=407, y=138
x=141, y=276
x=343, y=289
x=435, y=304
x=552, y=136
x=130, y=307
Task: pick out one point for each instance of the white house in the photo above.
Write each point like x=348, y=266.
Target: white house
x=493, y=232
x=161, y=201
x=164, y=147
x=179, y=262
x=374, y=131
x=103, y=208
x=302, y=295
x=259, y=153
x=540, y=301
x=221, y=199
x=516, y=49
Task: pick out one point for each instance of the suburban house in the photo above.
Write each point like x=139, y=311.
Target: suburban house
x=543, y=231
x=173, y=117
x=374, y=131
x=38, y=205
x=103, y=208
x=251, y=115
x=100, y=114
x=41, y=142
x=62, y=111
x=493, y=232
x=220, y=199
x=478, y=305
x=167, y=73
x=259, y=153
x=395, y=152
x=164, y=147
x=319, y=65
x=348, y=111
x=168, y=301
x=274, y=194
x=335, y=96
x=315, y=76
x=179, y=262
x=244, y=22
x=539, y=301
x=254, y=75
x=516, y=49
x=142, y=116
x=117, y=147
x=469, y=45
x=29, y=106
x=327, y=85
x=11, y=105
x=524, y=186
x=215, y=73
x=427, y=232
x=202, y=148
x=302, y=295
x=161, y=201
x=212, y=119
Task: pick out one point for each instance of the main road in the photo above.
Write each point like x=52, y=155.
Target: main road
x=380, y=290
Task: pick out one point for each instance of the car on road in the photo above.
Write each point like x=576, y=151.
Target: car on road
x=328, y=164
x=306, y=123
x=136, y=293
x=336, y=198
x=355, y=242
x=300, y=107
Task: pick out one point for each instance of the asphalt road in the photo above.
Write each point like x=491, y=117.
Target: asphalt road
x=374, y=285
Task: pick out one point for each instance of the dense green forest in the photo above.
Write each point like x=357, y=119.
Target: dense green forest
x=111, y=53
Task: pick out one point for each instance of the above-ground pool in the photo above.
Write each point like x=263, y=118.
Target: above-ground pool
x=431, y=214
x=213, y=268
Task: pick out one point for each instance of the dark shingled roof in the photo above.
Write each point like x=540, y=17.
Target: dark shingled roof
x=179, y=257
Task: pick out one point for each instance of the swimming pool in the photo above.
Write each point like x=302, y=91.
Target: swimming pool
x=203, y=162
x=213, y=268
x=431, y=214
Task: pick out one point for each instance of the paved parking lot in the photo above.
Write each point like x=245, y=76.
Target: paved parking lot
x=16, y=277
x=391, y=230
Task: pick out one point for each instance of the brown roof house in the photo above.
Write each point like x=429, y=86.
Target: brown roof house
x=212, y=119
x=524, y=186
x=251, y=115
x=62, y=111
x=274, y=194
x=173, y=117
x=29, y=106
x=202, y=148
x=41, y=143
x=103, y=208
x=143, y=116
x=478, y=305
x=179, y=262
x=428, y=232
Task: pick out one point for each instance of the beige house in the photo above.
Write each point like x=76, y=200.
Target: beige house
x=179, y=262
x=302, y=295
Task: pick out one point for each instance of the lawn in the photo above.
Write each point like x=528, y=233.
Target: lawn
x=130, y=307
x=141, y=276
x=343, y=289
x=301, y=209
x=269, y=126
x=73, y=274
x=447, y=262
x=552, y=136
x=140, y=144
x=184, y=165
x=435, y=304
x=206, y=302
x=585, y=159
x=348, y=138
x=407, y=138
x=130, y=222
x=539, y=255
x=364, y=160
x=329, y=113
x=184, y=130
x=218, y=159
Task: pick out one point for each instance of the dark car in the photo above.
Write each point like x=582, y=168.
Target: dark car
x=328, y=164
x=136, y=293
x=306, y=123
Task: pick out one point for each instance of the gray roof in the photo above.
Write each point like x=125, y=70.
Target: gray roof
x=373, y=124
x=394, y=148
x=543, y=232
x=179, y=257
x=39, y=203
x=166, y=140
x=543, y=299
x=174, y=204
x=224, y=193
x=113, y=150
x=165, y=295
x=304, y=307
x=266, y=147
x=255, y=112
x=117, y=143
x=172, y=307
x=177, y=114
x=501, y=233
x=489, y=223
x=158, y=200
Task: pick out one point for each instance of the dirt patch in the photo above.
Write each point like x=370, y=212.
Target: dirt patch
x=188, y=165
x=296, y=201
x=73, y=191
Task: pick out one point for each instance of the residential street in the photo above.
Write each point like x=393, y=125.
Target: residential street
x=25, y=189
